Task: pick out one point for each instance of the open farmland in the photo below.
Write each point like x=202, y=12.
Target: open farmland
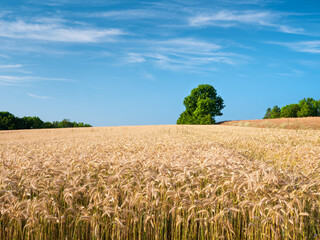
x=160, y=182
x=311, y=123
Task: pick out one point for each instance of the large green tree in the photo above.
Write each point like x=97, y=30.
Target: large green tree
x=202, y=105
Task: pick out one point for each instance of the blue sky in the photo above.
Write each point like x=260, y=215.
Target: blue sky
x=113, y=62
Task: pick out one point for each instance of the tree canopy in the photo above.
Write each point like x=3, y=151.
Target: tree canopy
x=305, y=108
x=10, y=122
x=202, y=105
x=275, y=112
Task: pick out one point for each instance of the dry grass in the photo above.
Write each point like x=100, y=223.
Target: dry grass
x=311, y=123
x=160, y=182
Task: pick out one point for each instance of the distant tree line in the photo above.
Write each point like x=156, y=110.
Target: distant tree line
x=305, y=108
x=10, y=122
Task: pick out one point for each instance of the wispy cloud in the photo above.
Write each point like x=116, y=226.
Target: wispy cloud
x=127, y=14
x=72, y=2
x=288, y=29
x=248, y=17
x=6, y=80
x=148, y=76
x=182, y=54
x=310, y=64
x=4, y=56
x=304, y=46
x=56, y=32
x=186, y=46
x=37, y=96
x=13, y=47
x=226, y=18
x=134, y=58
x=292, y=73
x=251, y=2
x=10, y=66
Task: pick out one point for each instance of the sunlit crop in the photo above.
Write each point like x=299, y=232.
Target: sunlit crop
x=160, y=182
x=285, y=123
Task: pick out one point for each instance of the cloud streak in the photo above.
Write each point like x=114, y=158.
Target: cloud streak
x=134, y=58
x=248, y=17
x=6, y=80
x=303, y=46
x=292, y=73
x=10, y=66
x=226, y=18
x=251, y=2
x=183, y=54
x=37, y=96
x=148, y=76
x=127, y=14
x=56, y=32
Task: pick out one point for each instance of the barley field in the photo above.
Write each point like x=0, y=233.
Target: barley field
x=160, y=182
x=305, y=123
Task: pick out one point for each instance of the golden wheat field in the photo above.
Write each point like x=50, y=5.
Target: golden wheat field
x=305, y=123
x=160, y=182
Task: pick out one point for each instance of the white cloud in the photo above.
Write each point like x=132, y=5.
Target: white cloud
x=11, y=66
x=287, y=29
x=14, y=47
x=6, y=80
x=72, y=2
x=226, y=18
x=183, y=54
x=248, y=17
x=292, y=73
x=310, y=63
x=4, y=56
x=251, y=2
x=127, y=14
x=148, y=76
x=187, y=45
x=134, y=58
x=56, y=32
x=37, y=96
x=4, y=13
x=304, y=46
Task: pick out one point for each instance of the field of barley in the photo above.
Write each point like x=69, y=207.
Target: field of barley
x=160, y=182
